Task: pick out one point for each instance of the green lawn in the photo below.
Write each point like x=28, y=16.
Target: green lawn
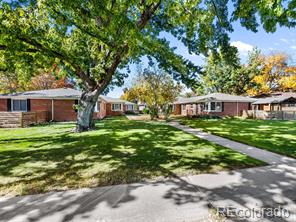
x=52, y=157
x=273, y=135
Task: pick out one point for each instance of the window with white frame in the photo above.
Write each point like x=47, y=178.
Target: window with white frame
x=213, y=107
x=130, y=107
x=174, y=108
x=183, y=107
x=19, y=105
x=291, y=104
x=116, y=107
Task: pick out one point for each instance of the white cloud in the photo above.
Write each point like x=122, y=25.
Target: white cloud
x=293, y=47
x=243, y=48
x=284, y=40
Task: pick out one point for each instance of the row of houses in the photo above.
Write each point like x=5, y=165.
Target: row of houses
x=58, y=105
x=221, y=104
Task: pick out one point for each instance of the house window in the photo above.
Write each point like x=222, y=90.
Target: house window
x=174, y=108
x=213, y=107
x=116, y=107
x=19, y=105
x=291, y=104
x=129, y=107
x=183, y=107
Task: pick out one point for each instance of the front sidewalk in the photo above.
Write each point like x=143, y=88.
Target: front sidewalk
x=259, y=154
x=176, y=199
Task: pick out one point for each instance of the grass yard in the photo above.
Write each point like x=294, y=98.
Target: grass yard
x=273, y=135
x=52, y=157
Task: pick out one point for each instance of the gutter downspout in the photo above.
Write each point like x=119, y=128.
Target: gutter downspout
x=237, y=108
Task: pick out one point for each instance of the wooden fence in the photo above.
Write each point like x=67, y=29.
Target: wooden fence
x=22, y=119
x=261, y=114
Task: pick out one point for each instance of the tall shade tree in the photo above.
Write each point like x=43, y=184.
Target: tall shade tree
x=276, y=75
x=93, y=40
x=229, y=75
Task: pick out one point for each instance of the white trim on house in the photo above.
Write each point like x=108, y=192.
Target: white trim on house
x=129, y=107
x=213, y=106
x=113, y=108
x=98, y=106
x=174, y=108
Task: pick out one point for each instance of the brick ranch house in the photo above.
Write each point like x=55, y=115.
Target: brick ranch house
x=276, y=102
x=215, y=104
x=275, y=106
x=56, y=105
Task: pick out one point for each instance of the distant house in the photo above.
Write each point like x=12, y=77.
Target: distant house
x=108, y=106
x=276, y=102
x=57, y=105
x=216, y=104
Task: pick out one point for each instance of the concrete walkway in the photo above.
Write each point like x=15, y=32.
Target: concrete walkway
x=173, y=200
x=263, y=155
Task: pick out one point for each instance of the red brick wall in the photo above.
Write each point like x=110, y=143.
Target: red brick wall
x=63, y=110
x=178, y=110
x=102, y=113
x=41, y=105
x=230, y=109
x=110, y=112
x=3, y=105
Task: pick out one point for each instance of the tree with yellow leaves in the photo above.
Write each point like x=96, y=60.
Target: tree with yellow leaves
x=276, y=75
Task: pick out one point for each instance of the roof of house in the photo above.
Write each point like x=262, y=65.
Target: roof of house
x=274, y=99
x=215, y=97
x=112, y=100
x=61, y=93
x=48, y=93
x=275, y=94
x=129, y=103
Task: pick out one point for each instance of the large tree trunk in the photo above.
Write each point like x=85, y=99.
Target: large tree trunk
x=86, y=107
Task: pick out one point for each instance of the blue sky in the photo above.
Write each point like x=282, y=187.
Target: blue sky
x=283, y=40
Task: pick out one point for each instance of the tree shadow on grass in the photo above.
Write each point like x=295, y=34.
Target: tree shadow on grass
x=124, y=152
x=121, y=153
x=272, y=135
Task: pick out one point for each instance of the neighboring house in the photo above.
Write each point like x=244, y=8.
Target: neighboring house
x=216, y=104
x=275, y=106
x=108, y=106
x=276, y=102
x=58, y=104
x=131, y=107
x=141, y=107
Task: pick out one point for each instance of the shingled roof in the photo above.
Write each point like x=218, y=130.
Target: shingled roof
x=215, y=97
x=61, y=93
x=275, y=99
x=48, y=94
